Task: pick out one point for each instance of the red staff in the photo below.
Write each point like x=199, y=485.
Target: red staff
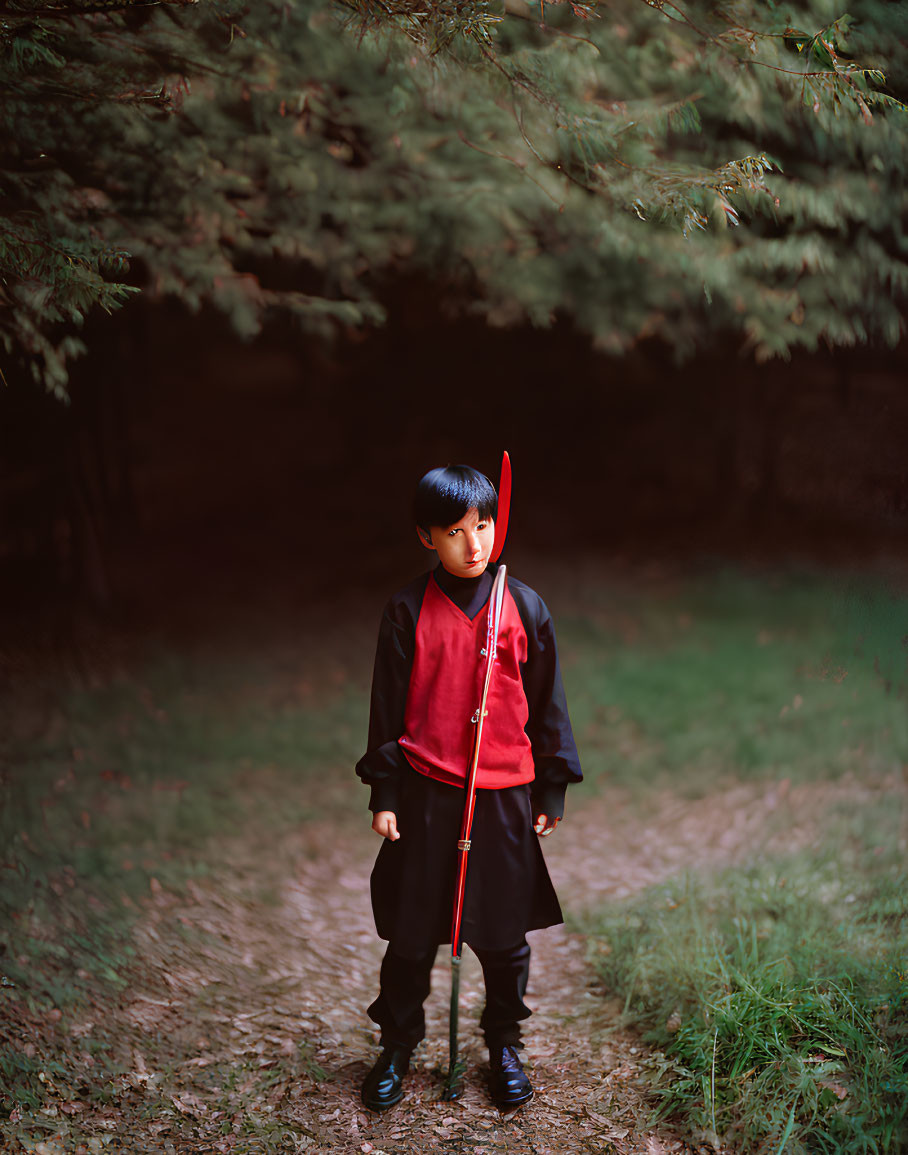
x=453, y=1084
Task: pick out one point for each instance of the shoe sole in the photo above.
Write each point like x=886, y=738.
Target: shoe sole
x=504, y=1107
x=382, y=1106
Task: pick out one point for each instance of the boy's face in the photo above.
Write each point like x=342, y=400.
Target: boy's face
x=464, y=547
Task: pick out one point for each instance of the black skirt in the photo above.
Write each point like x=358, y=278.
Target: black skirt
x=508, y=888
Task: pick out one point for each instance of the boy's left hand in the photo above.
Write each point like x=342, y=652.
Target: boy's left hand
x=545, y=825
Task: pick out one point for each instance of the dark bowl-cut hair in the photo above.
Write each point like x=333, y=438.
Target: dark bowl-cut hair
x=445, y=494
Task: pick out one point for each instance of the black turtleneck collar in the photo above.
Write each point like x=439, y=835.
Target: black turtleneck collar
x=468, y=594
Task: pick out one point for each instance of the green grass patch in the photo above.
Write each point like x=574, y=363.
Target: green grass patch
x=142, y=783
x=162, y=775
x=740, y=676
x=147, y=782
x=776, y=995
x=150, y=776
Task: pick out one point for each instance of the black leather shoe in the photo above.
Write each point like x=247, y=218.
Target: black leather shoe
x=508, y=1081
x=383, y=1086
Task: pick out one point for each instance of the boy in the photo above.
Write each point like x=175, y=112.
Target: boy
x=424, y=694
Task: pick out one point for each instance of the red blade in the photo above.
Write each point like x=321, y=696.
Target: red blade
x=504, y=507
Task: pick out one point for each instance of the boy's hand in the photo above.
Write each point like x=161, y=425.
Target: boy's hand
x=545, y=825
x=384, y=822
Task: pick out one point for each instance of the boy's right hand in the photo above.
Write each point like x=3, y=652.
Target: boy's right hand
x=384, y=822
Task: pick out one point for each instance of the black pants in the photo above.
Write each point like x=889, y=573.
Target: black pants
x=405, y=983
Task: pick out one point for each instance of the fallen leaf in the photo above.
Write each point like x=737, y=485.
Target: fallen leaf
x=837, y=1089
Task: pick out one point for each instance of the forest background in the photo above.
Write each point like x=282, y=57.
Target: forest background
x=261, y=267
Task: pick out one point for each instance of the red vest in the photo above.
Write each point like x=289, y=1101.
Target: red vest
x=445, y=689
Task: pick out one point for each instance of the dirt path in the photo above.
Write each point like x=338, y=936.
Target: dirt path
x=302, y=970
x=245, y=1031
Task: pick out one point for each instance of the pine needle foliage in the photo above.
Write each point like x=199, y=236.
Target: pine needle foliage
x=639, y=166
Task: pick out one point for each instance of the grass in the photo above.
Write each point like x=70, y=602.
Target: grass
x=145, y=779
x=777, y=994
x=151, y=779
x=796, y=677
x=142, y=784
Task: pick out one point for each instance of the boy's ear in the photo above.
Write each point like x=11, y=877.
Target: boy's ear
x=425, y=538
